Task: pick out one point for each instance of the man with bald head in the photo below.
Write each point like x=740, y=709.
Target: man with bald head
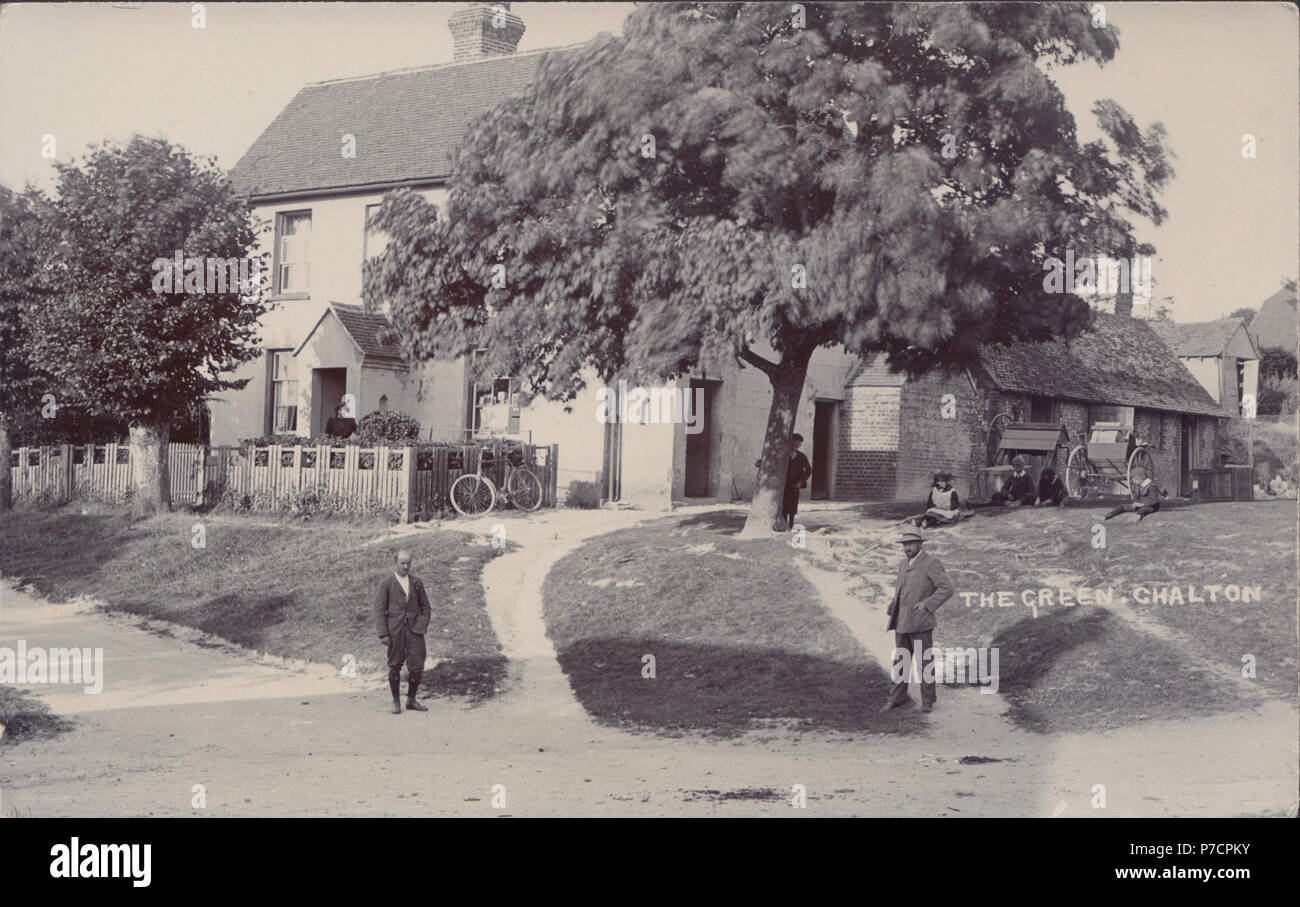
x=402, y=614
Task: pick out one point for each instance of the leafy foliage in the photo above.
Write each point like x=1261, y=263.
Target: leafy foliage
x=775, y=146
x=387, y=427
x=115, y=347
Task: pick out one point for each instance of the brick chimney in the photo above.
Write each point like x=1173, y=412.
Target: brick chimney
x=484, y=30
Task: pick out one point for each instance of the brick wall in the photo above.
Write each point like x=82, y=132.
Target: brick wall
x=930, y=442
x=867, y=457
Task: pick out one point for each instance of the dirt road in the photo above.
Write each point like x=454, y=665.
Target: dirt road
x=265, y=738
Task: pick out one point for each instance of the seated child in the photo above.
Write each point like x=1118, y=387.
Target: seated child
x=942, y=506
x=1051, y=489
x=1018, y=489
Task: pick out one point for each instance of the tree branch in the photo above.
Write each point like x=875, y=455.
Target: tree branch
x=763, y=365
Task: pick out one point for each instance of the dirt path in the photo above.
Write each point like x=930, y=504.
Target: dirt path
x=269, y=738
x=1234, y=764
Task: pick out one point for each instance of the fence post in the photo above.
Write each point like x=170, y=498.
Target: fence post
x=66, y=452
x=408, y=484
x=552, y=480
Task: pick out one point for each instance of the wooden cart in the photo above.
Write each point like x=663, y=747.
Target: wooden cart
x=1112, y=455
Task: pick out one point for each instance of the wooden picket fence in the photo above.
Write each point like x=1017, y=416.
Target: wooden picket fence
x=406, y=480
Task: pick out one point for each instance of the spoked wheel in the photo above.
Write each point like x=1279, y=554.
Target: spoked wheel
x=473, y=495
x=993, y=436
x=1141, y=465
x=1079, y=475
x=525, y=490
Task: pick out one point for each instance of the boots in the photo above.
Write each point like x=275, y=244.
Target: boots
x=413, y=684
x=395, y=687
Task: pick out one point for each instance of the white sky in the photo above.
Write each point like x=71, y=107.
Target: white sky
x=1209, y=71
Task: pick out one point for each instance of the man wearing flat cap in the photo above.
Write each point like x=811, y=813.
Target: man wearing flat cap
x=922, y=588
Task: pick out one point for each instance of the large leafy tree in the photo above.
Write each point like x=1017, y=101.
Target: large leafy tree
x=114, y=346
x=20, y=383
x=741, y=180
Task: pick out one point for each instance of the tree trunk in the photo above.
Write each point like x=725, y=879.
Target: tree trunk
x=787, y=387
x=6, y=476
x=151, y=489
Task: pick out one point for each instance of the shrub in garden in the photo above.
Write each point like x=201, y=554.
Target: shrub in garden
x=583, y=495
x=387, y=427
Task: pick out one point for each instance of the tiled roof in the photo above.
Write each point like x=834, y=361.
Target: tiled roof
x=1197, y=338
x=1274, y=325
x=406, y=123
x=366, y=328
x=1120, y=361
x=874, y=373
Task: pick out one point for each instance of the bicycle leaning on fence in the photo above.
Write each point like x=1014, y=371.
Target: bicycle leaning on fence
x=474, y=494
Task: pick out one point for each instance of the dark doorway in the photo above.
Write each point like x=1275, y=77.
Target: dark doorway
x=699, y=446
x=328, y=387
x=823, y=441
x=611, y=467
x=1187, y=438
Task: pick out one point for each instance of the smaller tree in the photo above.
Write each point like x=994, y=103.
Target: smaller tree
x=120, y=341
x=1245, y=313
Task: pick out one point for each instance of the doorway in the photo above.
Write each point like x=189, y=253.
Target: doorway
x=700, y=447
x=1186, y=461
x=328, y=385
x=823, y=445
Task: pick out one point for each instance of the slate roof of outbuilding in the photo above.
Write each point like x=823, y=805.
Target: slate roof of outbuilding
x=1197, y=338
x=406, y=123
x=874, y=373
x=365, y=329
x=1120, y=361
x=1274, y=325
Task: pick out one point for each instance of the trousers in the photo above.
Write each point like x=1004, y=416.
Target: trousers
x=898, y=692
x=408, y=647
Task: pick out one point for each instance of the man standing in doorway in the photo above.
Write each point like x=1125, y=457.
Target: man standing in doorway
x=402, y=614
x=922, y=587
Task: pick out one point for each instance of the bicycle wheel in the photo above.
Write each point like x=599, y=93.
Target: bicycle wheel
x=473, y=495
x=525, y=490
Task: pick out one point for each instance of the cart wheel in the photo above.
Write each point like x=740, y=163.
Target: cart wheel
x=1141, y=465
x=993, y=436
x=1079, y=474
x=473, y=495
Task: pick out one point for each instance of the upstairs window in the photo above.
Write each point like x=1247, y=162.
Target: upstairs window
x=292, y=252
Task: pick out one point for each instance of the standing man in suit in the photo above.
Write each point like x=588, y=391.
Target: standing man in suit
x=402, y=614
x=922, y=587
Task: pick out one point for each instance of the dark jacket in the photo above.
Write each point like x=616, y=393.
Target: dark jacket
x=922, y=587
x=340, y=426
x=797, y=473
x=392, y=609
x=1148, y=498
x=1049, y=489
x=1018, y=487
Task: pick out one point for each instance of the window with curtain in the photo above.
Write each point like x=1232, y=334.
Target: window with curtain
x=284, y=391
x=292, y=251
